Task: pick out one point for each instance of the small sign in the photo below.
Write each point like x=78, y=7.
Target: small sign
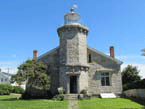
x=108, y=95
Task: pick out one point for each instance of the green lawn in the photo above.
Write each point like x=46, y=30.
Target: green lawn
x=116, y=103
x=10, y=102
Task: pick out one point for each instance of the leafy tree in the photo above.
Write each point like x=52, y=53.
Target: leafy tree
x=34, y=73
x=130, y=74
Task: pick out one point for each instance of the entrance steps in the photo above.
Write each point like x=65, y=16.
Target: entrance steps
x=71, y=97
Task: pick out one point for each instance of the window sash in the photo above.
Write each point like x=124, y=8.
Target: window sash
x=105, y=79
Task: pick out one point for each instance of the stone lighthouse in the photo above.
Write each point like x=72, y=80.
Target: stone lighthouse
x=73, y=67
x=76, y=67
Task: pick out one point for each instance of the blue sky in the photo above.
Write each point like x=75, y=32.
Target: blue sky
x=26, y=25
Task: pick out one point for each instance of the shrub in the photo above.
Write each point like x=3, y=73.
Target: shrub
x=41, y=94
x=26, y=95
x=6, y=92
x=135, y=85
x=18, y=89
x=59, y=97
x=80, y=97
x=85, y=95
x=83, y=92
x=6, y=89
x=1, y=92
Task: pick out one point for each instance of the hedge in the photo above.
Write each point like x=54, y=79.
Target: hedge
x=135, y=85
x=6, y=89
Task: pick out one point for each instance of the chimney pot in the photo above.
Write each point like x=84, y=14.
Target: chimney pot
x=35, y=54
x=112, y=52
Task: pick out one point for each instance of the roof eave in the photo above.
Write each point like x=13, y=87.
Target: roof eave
x=116, y=60
x=48, y=53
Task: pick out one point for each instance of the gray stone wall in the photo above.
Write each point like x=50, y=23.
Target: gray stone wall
x=101, y=62
x=93, y=80
x=83, y=80
x=73, y=49
x=63, y=78
x=72, y=55
x=53, y=69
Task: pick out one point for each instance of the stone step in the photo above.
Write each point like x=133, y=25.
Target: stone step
x=71, y=96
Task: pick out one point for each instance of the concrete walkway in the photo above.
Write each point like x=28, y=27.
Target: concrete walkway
x=73, y=104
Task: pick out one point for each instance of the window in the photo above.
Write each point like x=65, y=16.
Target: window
x=1, y=79
x=90, y=58
x=6, y=79
x=105, y=79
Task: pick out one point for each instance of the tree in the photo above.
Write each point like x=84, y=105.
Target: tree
x=130, y=74
x=34, y=73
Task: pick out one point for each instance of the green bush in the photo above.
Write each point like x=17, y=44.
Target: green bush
x=18, y=89
x=59, y=97
x=83, y=92
x=6, y=92
x=134, y=85
x=1, y=92
x=6, y=89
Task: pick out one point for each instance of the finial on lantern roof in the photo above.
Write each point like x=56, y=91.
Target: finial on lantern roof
x=73, y=8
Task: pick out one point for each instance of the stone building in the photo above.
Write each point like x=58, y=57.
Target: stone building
x=76, y=67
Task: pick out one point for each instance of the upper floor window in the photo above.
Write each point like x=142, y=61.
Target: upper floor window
x=90, y=60
x=105, y=79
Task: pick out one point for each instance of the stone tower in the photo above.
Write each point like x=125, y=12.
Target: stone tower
x=73, y=68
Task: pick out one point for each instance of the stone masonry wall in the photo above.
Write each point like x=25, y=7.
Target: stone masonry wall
x=72, y=53
x=95, y=76
x=53, y=69
x=73, y=47
x=83, y=79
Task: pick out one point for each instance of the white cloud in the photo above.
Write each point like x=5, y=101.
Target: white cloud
x=9, y=66
x=130, y=56
x=9, y=70
x=140, y=67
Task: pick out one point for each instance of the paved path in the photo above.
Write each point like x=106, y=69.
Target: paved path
x=73, y=104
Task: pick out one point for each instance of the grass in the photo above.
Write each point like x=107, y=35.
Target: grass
x=116, y=103
x=11, y=102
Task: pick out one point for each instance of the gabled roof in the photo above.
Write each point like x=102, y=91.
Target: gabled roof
x=92, y=49
x=113, y=59
x=48, y=53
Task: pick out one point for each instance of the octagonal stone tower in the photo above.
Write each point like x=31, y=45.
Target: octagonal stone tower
x=73, y=69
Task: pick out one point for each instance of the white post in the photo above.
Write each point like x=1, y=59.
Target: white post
x=78, y=84
x=68, y=84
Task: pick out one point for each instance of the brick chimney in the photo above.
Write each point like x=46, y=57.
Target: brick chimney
x=112, y=52
x=35, y=54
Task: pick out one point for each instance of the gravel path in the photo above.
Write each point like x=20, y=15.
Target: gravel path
x=73, y=104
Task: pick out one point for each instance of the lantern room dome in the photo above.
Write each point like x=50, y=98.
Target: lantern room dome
x=72, y=17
